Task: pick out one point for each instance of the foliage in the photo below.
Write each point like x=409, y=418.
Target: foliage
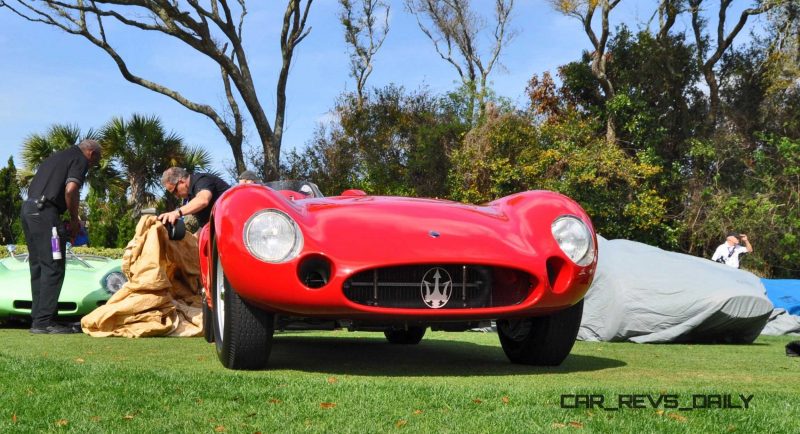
x=142, y=149
x=10, y=204
x=509, y=153
x=110, y=221
x=765, y=204
x=127, y=179
x=394, y=143
x=113, y=253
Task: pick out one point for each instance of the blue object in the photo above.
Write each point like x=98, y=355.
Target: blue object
x=784, y=293
x=81, y=239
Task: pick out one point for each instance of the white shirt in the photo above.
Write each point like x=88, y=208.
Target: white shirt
x=729, y=254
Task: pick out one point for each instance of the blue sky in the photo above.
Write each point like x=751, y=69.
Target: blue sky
x=49, y=77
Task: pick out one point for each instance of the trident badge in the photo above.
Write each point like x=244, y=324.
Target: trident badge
x=436, y=288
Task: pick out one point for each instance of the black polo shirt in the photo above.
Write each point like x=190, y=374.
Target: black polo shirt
x=206, y=181
x=53, y=174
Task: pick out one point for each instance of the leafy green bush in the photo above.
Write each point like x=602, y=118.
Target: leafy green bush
x=99, y=251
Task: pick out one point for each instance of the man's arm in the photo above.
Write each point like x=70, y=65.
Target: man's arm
x=71, y=194
x=199, y=203
x=746, y=242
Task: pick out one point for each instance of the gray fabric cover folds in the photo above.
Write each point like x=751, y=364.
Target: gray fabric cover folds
x=648, y=295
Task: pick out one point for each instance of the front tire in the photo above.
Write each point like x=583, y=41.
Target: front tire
x=208, y=321
x=541, y=341
x=242, y=333
x=405, y=336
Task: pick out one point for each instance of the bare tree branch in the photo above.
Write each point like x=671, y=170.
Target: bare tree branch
x=363, y=37
x=454, y=28
x=584, y=11
x=723, y=43
x=211, y=29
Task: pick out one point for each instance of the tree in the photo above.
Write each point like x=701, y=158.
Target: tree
x=10, y=204
x=37, y=147
x=584, y=11
x=395, y=143
x=723, y=42
x=364, y=37
x=142, y=149
x=555, y=147
x=214, y=31
x=454, y=26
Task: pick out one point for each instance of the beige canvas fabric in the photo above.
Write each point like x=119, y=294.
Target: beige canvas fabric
x=162, y=295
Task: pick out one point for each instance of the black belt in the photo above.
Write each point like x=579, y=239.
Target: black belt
x=41, y=204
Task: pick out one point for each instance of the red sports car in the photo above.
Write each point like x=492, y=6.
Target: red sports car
x=286, y=258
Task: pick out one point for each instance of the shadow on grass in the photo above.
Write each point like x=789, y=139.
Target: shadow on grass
x=431, y=357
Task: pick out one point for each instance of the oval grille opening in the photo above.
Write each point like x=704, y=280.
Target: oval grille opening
x=456, y=287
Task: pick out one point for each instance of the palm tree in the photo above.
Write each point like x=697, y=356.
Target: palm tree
x=142, y=149
x=37, y=147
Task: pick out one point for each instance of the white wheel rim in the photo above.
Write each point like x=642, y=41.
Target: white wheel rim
x=219, y=300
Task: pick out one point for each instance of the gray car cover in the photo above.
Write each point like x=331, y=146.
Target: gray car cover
x=644, y=294
x=782, y=322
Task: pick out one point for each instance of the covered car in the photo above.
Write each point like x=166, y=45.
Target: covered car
x=292, y=259
x=648, y=295
x=89, y=282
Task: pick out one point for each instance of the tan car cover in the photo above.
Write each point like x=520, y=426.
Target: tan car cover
x=162, y=295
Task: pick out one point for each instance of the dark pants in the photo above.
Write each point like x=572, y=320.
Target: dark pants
x=47, y=274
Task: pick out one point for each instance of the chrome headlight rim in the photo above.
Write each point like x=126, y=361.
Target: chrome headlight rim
x=113, y=282
x=584, y=256
x=291, y=253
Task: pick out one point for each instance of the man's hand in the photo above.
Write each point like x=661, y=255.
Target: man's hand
x=743, y=237
x=169, y=217
x=74, y=229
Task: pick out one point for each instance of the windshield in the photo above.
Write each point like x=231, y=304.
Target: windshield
x=308, y=188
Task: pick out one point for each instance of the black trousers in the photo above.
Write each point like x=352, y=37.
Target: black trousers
x=47, y=274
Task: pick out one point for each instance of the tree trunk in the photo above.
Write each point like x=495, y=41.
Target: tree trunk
x=713, y=96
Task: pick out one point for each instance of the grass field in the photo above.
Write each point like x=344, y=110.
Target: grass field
x=356, y=382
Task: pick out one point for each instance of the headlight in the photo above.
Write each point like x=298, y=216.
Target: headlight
x=574, y=238
x=272, y=236
x=114, y=281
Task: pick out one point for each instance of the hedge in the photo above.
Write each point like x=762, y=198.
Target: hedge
x=99, y=251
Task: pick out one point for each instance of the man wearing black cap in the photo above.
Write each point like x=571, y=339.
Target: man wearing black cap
x=728, y=252
x=54, y=189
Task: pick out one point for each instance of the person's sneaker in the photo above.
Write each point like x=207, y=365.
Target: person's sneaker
x=56, y=329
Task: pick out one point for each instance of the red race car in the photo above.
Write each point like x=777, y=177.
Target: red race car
x=284, y=257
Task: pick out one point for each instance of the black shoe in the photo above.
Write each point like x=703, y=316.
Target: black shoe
x=53, y=330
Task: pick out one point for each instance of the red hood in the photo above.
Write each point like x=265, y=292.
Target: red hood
x=355, y=231
x=407, y=230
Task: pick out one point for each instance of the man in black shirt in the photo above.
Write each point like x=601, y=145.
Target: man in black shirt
x=201, y=189
x=54, y=189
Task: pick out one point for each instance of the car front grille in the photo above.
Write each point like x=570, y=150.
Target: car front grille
x=439, y=286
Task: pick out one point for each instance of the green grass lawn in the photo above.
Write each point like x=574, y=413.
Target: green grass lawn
x=356, y=382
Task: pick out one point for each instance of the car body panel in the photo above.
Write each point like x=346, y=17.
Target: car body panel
x=81, y=292
x=357, y=232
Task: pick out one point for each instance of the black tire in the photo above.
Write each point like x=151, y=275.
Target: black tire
x=541, y=341
x=409, y=336
x=208, y=321
x=243, y=333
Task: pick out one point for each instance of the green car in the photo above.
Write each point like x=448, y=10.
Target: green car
x=89, y=282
